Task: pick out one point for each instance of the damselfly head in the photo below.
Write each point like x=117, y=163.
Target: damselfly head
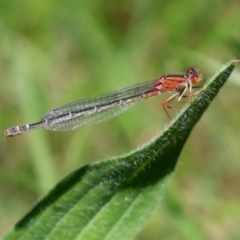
x=194, y=74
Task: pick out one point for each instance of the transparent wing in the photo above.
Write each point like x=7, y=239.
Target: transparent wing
x=88, y=112
x=87, y=121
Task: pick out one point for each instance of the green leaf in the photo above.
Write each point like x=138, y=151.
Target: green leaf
x=112, y=199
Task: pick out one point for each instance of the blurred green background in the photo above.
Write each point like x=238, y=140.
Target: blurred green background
x=56, y=52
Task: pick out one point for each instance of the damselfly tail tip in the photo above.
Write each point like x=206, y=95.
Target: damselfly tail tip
x=8, y=133
x=11, y=132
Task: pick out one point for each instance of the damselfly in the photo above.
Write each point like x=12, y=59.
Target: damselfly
x=88, y=112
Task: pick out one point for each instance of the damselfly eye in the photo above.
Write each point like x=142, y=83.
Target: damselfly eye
x=194, y=74
x=191, y=72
